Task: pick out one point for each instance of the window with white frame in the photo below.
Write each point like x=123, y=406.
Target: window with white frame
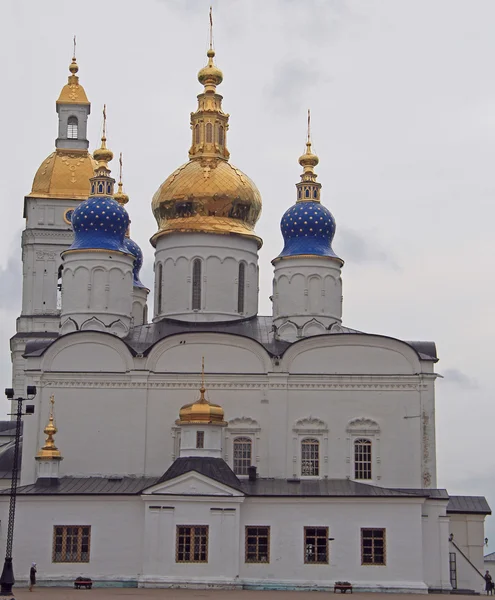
x=243, y=452
x=364, y=448
x=72, y=128
x=310, y=457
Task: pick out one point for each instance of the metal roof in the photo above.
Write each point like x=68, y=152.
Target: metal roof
x=468, y=505
x=214, y=468
x=142, y=338
x=100, y=486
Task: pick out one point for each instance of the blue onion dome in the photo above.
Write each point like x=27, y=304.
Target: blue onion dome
x=100, y=222
x=308, y=227
x=135, y=250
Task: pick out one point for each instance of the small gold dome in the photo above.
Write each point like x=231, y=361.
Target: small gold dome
x=50, y=450
x=120, y=196
x=201, y=412
x=64, y=174
x=103, y=154
x=210, y=74
x=308, y=159
x=209, y=195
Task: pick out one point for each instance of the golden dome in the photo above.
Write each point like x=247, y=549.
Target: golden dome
x=201, y=411
x=49, y=450
x=103, y=154
x=120, y=196
x=209, y=196
x=73, y=92
x=308, y=159
x=64, y=174
x=210, y=74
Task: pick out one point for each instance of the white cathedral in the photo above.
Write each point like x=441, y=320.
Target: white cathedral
x=302, y=455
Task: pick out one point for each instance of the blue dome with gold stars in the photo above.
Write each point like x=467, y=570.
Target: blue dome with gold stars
x=308, y=228
x=135, y=250
x=100, y=223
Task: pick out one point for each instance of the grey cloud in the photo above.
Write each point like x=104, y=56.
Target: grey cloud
x=291, y=84
x=355, y=247
x=457, y=377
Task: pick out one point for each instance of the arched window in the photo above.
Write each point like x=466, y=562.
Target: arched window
x=196, y=134
x=306, y=192
x=59, y=287
x=362, y=459
x=159, y=284
x=221, y=135
x=196, y=285
x=209, y=133
x=241, y=286
x=243, y=450
x=72, y=128
x=310, y=457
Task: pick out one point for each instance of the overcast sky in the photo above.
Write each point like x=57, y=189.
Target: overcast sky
x=402, y=95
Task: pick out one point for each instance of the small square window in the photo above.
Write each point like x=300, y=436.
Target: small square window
x=191, y=545
x=257, y=544
x=316, y=545
x=373, y=547
x=71, y=543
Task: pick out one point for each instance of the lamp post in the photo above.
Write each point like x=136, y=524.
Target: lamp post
x=7, y=578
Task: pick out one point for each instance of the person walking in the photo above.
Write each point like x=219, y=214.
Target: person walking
x=32, y=577
x=488, y=583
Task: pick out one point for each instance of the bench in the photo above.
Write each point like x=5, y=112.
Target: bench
x=342, y=587
x=82, y=582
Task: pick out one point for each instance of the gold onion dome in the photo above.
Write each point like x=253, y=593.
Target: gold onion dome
x=308, y=159
x=208, y=194
x=120, y=196
x=201, y=411
x=103, y=154
x=50, y=450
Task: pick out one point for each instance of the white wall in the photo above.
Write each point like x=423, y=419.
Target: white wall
x=469, y=535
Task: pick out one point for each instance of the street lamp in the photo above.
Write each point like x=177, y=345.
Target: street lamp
x=7, y=578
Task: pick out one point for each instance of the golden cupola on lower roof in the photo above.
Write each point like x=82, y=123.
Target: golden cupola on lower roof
x=208, y=194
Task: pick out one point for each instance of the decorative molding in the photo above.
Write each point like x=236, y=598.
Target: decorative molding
x=363, y=426
x=238, y=424
x=310, y=425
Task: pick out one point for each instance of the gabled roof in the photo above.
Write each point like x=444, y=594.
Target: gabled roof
x=214, y=468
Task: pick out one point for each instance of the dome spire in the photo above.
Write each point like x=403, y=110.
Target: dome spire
x=120, y=196
x=73, y=92
x=50, y=450
x=103, y=155
x=308, y=189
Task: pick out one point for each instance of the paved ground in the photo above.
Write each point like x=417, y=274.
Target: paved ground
x=59, y=593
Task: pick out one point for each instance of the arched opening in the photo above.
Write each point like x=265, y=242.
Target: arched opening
x=159, y=286
x=196, y=134
x=310, y=458
x=72, y=128
x=209, y=133
x=362, y=459
x=243, y=451
x=196, y=285
x=241, y=286
x=221, y=135
x=59, y=287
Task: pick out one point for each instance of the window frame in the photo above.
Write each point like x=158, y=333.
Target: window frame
x=159, y=291
x=315, y=441
x=192, y=534
x=200, y=440
x=384, y=539
x=209, y=133
x=257, y=535
x=245, y=439
x=79, y=542
x=72, y=128
x=305, y=545
x=241, y=288
x=363, y=465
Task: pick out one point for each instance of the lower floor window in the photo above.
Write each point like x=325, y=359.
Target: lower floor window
x=373, y=546
x=71, y=543
x=316, y=545
x=192, y=543
x=257, y=544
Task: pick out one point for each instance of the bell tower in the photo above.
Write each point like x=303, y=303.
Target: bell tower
x=60, y=184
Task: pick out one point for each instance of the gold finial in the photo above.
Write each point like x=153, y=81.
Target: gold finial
x=49, y=450
x=210, y=76
x=308, y=160
x=73, y=67
x=120, y=196
x=103, y=155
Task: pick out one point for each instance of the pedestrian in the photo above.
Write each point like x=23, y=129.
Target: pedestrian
x=488, y=583
x=32, y=577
